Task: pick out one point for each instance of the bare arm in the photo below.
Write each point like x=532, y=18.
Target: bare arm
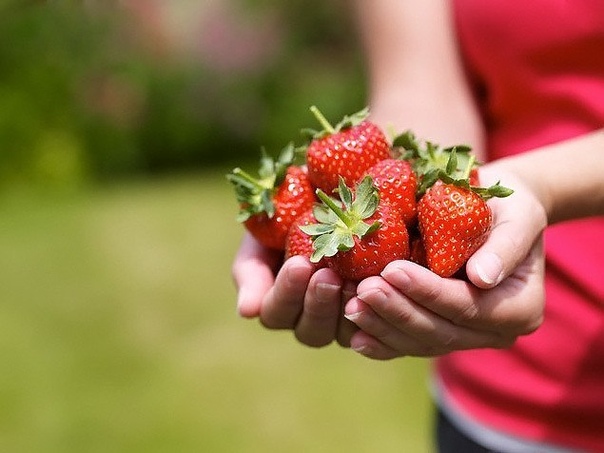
x=416, y=77
x=417, y=82
x=566, y=177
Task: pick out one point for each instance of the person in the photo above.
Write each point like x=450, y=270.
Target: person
x=518, y=346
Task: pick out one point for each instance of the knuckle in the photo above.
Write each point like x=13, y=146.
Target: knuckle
x=381, y=332
x=466, y=315
x=450, y=343
x=433, y=293
x=404, y=315
x=447, y=343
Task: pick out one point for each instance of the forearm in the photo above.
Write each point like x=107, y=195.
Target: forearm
x=417, y=82
x=567, y=177
x=416, y=77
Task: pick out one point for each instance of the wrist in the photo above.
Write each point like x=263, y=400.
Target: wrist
x=511, y=173
x=566, y=177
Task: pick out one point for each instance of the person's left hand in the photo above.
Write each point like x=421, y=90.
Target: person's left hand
x=410, y=311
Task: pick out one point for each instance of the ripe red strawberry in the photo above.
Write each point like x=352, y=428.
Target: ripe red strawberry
x=346, y=150
x=361, y=236
x=454, y=223
x=300, y=243
x=417, y=252
x=271, y=203
x=454, y=219
x=397, y=184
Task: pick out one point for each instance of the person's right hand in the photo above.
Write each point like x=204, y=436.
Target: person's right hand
x=292, y=296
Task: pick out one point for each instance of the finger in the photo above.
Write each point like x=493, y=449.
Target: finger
x=253, y=274
x=346, y=328
x=371, y=347
x=410, y=328
x=510, y=239
x=386, y=343
x=513, y=308
x=283, y=302
x=318, y=322
x=376, y=338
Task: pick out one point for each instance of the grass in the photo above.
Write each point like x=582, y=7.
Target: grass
x=118, y=333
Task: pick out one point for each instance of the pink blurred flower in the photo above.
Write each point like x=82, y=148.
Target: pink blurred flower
x=230, y=40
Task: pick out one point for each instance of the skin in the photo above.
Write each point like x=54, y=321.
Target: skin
x=408, y=310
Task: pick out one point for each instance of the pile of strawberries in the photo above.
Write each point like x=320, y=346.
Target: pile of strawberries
x=355, y=201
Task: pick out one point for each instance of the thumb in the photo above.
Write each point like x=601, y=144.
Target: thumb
x=518, y=222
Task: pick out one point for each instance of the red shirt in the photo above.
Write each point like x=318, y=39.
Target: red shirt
x=538, y=69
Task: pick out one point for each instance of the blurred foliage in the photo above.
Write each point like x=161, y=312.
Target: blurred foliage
x=86, y=95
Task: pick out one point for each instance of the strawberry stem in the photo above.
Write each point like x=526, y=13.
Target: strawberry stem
x=254, y=182
x=322, y=120
x=334, y=207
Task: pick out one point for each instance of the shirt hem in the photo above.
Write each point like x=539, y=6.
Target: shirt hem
x=485, y=435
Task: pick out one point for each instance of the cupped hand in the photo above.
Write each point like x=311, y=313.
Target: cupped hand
x=292, y=295
x=410, y=311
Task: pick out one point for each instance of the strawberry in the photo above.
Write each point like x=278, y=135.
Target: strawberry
x=270, y=204
x=300, y=243
x=417, y=252
x=360, y=236
x=454, y=222
x=346, y=150
x=397, y=183
x=454, y=219
x=474, y=177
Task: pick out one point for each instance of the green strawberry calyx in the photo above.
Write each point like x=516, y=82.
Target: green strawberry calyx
x=451, y=165
x=255, y=194
x=450, y=175
x=428, y=156
x=339, y=222
x=328, y=129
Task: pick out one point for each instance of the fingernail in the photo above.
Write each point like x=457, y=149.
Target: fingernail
x=353, y=310
x=240, y=301
x=361, y=349
x=394, y=274
x=489, y=268
x=375, y=295
x=359, y=345
x=352, y=317
x=391, y=268
x=295, y=272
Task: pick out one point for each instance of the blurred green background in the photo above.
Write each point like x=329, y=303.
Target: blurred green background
x=118, y=331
